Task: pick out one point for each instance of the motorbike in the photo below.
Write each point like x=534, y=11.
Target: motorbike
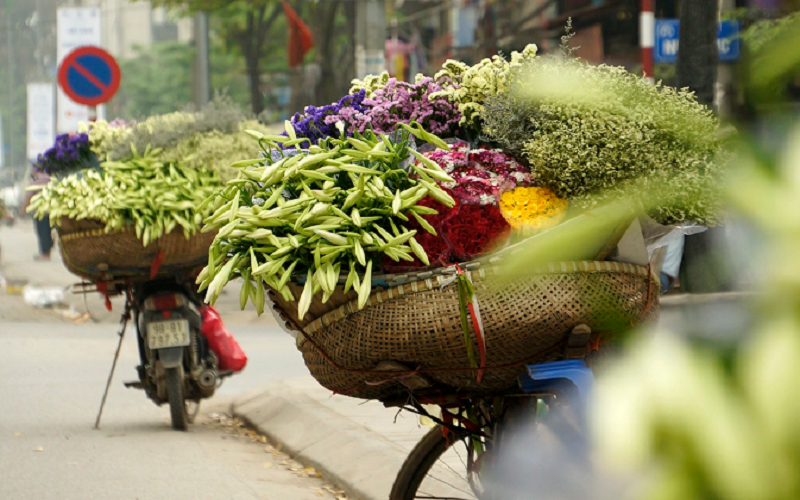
x=176, y=365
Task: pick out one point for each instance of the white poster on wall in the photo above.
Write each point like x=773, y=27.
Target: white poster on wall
x=75, y=27
x=41, y=109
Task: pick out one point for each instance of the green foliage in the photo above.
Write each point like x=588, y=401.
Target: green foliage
x=154, y=196
x=760, y=33
x=596, y=133
x=674, y=416
x=165, y=131
x=22, y=53
x=216, y=150
x=159, y=80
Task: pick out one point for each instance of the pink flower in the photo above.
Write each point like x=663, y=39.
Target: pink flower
x=480, y=175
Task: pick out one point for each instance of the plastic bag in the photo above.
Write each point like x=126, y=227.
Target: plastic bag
x=221, y=342
x=657, y=235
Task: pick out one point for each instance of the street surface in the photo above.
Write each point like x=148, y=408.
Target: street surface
x=54, y=364
x=53, y=377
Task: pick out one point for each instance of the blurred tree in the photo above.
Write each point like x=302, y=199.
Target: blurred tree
x=17, y=15
x=158, y=80
x=246, y=23
x=334, y=25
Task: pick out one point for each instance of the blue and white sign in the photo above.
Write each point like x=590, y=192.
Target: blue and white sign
x=666, y=47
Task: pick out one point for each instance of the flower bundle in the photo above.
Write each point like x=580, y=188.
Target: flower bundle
x=468, y=87
x=400, y=102
x=317, y=123
x=142, y=191
x=480, y=175
x=333, y=208
x=214, y=150
x=381, y=110
x=532, y=208
x=460, y=233
x=597, y=133
x=113, y=141
x=71, y=152
x=475, y=225
x=464, y=87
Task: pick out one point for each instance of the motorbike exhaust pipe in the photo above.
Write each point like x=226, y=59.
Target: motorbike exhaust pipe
x=207, y=382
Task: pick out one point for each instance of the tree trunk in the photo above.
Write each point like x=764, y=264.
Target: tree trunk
x=697, y=55
x=705, y=267
x=327, y=89
x=252, y=57
x=252, y=41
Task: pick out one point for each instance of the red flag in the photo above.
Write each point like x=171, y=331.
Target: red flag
x=300, y=38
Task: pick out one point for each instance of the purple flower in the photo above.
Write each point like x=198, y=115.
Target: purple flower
x=320, y=122
x=397, y=102
x=401, y=102
x=69, y=153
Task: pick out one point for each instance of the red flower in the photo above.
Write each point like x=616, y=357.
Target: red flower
x=463, y=232
x=476, y=230
x=437, y=221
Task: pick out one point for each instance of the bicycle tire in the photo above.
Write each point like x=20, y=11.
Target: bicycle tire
x=419, y=463
x=177, y=404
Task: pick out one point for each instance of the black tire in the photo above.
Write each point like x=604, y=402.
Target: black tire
x=559, y=423
x=177, y=405
x=419, y=463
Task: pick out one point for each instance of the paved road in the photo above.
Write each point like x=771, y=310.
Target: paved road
x=51, y=380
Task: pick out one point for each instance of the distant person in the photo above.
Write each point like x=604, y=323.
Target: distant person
x=43, y=229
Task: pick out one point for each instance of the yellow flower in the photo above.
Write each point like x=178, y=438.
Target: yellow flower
x=532, y=209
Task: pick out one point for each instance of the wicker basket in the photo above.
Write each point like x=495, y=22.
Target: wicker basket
x=88, y=251
x=417, y=324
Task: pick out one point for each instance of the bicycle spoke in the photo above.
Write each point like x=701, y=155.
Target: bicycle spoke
x=448, y=484
x=454, y=471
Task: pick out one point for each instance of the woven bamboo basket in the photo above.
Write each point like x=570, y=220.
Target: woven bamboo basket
x=417, y=325
x=90, y=252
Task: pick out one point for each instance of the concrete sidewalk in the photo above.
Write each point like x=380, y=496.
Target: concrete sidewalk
x=360, y=445
x=18, y=245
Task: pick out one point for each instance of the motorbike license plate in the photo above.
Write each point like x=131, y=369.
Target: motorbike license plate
x=164, y=334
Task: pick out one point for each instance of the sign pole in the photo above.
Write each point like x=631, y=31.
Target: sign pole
x=92, y=113
x=647, y=37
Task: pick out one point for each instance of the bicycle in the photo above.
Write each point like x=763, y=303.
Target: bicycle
x=549, y=405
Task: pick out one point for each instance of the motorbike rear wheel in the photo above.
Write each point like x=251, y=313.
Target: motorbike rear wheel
x=177, y=404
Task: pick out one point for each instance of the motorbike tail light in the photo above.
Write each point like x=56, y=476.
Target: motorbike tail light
x=165, y=302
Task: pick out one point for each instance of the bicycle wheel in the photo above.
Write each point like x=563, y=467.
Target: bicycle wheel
x=437, y=469
x=453, y=468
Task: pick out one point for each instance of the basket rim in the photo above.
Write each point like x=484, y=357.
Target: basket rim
x=479, y=274
x=95, y=273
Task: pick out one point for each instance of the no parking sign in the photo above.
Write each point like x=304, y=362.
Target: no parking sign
x=89, y=75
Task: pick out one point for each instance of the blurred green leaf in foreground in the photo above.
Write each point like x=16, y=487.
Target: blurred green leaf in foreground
x=681, y=421
x=697, y=429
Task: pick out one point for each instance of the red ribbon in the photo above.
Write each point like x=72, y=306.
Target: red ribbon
x=102, y=287
x=477, y=327
x=156, y=265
